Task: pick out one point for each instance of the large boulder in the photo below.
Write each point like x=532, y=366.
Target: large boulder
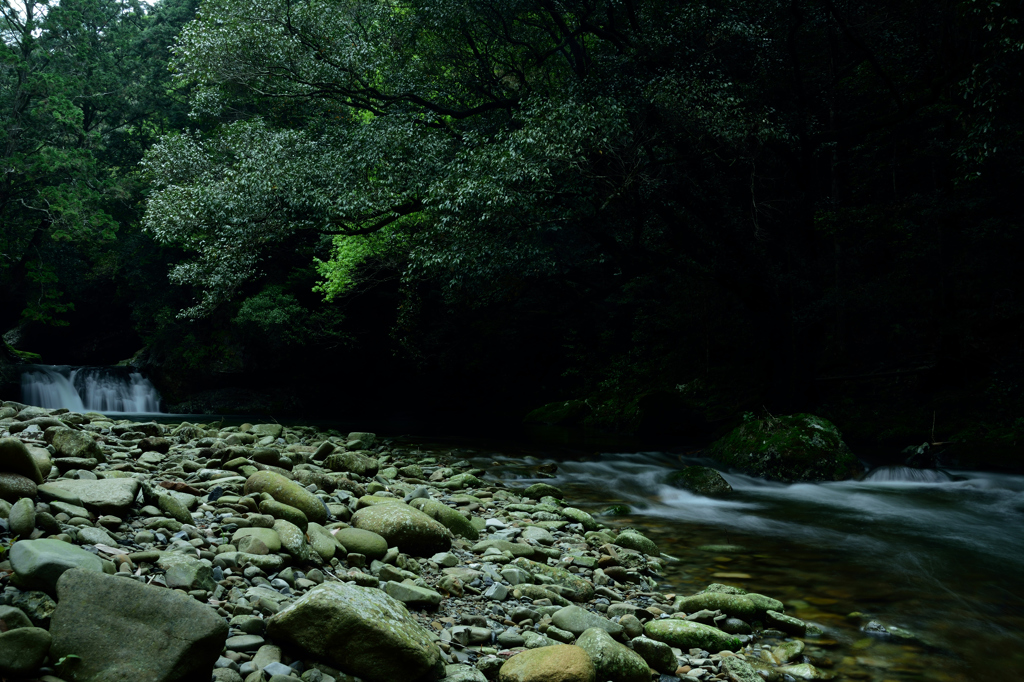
x=125, y=631
x=797, y=447
x=16, y=459
x=686, y=635
x=289, y=493
x=360, y=630
x=38, y=564
x=412, y=531
x=71, y=443
x=578, y=620
x=613, y=662
x=559, y=663
x=103, y=496
x=700, y=480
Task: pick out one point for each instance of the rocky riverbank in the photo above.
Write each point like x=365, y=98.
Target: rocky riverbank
x=261, y=552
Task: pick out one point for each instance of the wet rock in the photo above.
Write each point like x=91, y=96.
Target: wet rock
x=613, y=661
x=632, y=539
x=798, y=447
x=125, y=630
x=362, y=631
x=353, y=462
x=699, y=479
x=22, y=517
x=805, y=671
x=788, y=651
x=739, y=670
x=559, y=663
x=658, y=655
x=577, y=620
x=579, y=589
x=737, y=605
x=539, y=490
x=412, y=531
x=793, y=626
x=686, y=635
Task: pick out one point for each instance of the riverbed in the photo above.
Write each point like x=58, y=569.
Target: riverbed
x=940, y=554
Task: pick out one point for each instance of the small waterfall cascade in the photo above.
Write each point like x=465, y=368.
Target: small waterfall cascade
x=81, y=389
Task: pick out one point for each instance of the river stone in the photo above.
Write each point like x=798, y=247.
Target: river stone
x=125, y=631
x=14, y=618
x=539, y=490
x=739, y=670
x=293, y=540
x=413, y=595
x=461, y=672
x=354, y=462
x=685, y=635
x=412, y=531
x=174, y=508
x=362, y=631
x=269, y=537
x=804, y=671
x=272, y=430
x=285, y=512
x=41, y=456
x=788, y=651
x=23, y=651
x=793, y=626
x=732, y=604
x=22, y=517
x=39, y=563
x=658, y=655
x=186, y=572
x=15, y=458
x=271, y=563
x=95, y=536
x=38, y=606
x=539, y=535
x=579, y=589
x=516, y=549
x=613, y=662
x=14, y=487
x=790, y=448
x=104, y=496
x=71, y=443
x=369, y=544
x=577, y=620
x=287, y=492
x=699, y=479
x=581, y=517
x=765, y=604
x=632, y=539
x=448, y=517
x=558, y=663
x=321, y=541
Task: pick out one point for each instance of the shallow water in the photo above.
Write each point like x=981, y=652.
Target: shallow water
x=938, y=553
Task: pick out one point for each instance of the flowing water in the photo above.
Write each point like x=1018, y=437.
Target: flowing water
x=81, y=389
x=940, y=554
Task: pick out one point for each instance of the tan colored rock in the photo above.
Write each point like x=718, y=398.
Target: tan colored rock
x=560, y=663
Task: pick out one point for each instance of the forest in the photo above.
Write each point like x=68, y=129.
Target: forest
x=672, y=214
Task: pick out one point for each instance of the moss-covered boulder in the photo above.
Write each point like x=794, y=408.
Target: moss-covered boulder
x=686, y=634
x=700, y=480
x=289, y=493
x=561, y=413
x=797, y=447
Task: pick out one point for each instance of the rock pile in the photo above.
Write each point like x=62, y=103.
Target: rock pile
x=138, y=551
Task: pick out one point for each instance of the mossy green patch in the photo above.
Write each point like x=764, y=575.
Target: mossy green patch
x=797, y=447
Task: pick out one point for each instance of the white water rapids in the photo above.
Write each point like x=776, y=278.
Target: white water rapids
x=80, y=389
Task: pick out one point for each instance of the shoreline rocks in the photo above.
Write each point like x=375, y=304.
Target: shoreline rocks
x=291, y=553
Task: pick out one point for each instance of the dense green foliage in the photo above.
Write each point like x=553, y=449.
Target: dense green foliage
x=667, y=208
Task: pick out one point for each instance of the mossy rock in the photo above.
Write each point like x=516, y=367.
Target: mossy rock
x=701, y=480
x=792, y=448
x=561, y=413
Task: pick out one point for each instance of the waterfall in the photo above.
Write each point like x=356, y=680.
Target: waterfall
x=80, y=389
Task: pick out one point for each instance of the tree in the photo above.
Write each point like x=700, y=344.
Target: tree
x=496, y=144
